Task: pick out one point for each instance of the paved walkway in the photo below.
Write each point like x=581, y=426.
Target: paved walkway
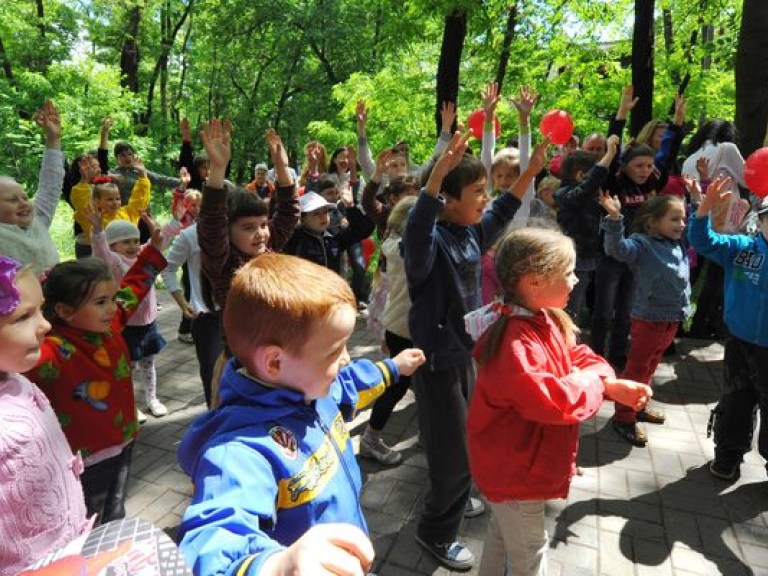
x=634, y=511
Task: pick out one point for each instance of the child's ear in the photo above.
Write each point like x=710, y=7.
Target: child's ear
x=63, y=311
x=267, y=361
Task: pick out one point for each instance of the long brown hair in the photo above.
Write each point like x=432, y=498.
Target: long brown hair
x=540, y=251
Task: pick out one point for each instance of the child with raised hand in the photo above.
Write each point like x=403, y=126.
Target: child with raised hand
x=505, y=166
x=579, y=213
x=102, y=194
x=41, y=500
x=400, y=150
x=84, y=368
x=534, y=386
x=446, y=233
x=743, y=259
x=24, y=225
x=275, y=458
x=118, y=245
x=636, y=174
x=234, y=225
x=659, y=262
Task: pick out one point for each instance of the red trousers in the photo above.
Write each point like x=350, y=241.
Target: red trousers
x=648, y=341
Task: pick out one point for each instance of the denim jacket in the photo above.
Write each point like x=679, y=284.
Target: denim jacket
x=660, y=267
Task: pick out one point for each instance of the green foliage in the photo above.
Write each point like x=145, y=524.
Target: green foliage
x=301, y=65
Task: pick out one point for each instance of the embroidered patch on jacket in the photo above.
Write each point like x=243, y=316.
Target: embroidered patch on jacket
x=286, y=440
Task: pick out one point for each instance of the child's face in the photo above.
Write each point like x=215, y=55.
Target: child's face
x=332, y=194
x=639, y=169
x=313, y=370
x=96, y=313
x=203, y=170
x=192, y=206
x=342, y=161
x=125, y=159
x=250, y=235
x=23, y=331
x=15, y=207
x=546, y=195
x=548, y=292
x=504, y=176
x=128, y=248
x=468, y=209
x=397, y=166
x=317, y=221
x=672, y=224
x=658, y=133
x=108, y=201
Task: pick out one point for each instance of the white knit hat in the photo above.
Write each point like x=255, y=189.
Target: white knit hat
x=121, y=230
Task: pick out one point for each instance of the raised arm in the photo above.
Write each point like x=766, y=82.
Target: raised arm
x=287, y=213
x=364, y=154
x=213, y=226
x=51, y=179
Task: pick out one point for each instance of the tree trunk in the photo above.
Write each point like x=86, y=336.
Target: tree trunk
x=454, y=32
x=642, y=64
x=509, y=34
x=752, y=76
x=167, y=38
x=129, y=56
x=7, y=68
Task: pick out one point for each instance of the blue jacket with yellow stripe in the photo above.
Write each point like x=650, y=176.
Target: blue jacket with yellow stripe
x=267, y=466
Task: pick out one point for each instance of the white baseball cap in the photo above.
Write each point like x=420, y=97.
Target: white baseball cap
x=312, y=201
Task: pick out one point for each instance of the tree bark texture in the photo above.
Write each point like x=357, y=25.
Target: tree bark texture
x=454, y=32
x=642, y=64
x=752, y=76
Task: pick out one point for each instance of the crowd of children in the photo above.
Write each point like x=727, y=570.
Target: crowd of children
x=482, y=273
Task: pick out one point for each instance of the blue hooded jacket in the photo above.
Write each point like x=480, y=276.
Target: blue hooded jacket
x=268, y=465
x=743, y=259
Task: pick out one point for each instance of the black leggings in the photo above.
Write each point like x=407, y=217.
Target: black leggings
x=385, y=404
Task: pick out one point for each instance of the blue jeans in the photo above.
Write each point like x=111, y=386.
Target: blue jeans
x=614, y=287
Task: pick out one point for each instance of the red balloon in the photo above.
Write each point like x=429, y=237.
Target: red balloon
x=476, y=121
x=756, y=172
x=557, y=125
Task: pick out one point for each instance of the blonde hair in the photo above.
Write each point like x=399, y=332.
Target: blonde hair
x=98, y=189
x=646, y=132
x=506, y=157
x=399, y=215
x=551, y=182
x=541, y=251
x=192, y=195
x=277, y=299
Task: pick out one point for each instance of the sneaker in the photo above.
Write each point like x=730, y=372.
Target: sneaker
x=185, y=338
x=454, y=555
x=474, y=508
x=725, y=468
x=156, y=408
x=376, y=448
x=141, y=416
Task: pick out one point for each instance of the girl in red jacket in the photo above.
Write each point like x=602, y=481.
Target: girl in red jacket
x=534, y=386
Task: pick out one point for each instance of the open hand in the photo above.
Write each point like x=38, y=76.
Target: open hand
x=610, y=204
x=215, y=136
x=526, y=100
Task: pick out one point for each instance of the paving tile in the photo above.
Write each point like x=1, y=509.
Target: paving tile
x=642, y=512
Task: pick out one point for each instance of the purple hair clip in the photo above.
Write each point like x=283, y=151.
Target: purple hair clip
x=9, y=294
